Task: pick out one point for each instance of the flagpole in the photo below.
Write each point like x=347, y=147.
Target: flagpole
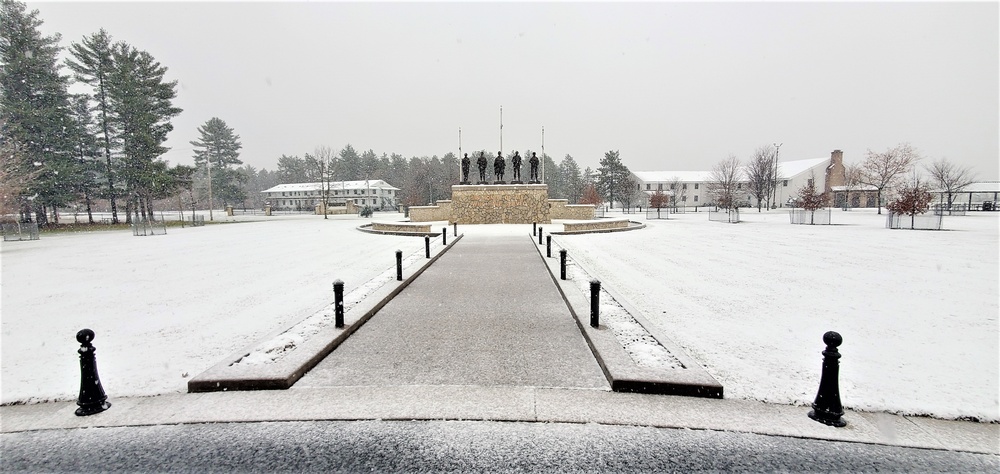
x=543, y=153
x=460, y=154
x=501, y=129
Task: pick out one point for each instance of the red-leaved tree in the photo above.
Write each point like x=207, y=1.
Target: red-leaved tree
x=914, y=198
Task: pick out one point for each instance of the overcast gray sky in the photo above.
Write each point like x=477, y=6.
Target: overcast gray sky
x=673, y=86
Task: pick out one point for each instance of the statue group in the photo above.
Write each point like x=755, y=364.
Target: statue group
x=499, y=168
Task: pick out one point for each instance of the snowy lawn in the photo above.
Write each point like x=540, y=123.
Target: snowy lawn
x=167, y=307
x=917, y=309
x=751, y=301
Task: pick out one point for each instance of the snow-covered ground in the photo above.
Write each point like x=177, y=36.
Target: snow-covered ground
x=917, y=309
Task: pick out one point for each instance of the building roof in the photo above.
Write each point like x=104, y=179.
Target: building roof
x=978, y=187
x=334, y=185
x=787, y=169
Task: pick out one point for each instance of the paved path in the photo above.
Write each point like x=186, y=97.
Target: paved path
x=486, y=313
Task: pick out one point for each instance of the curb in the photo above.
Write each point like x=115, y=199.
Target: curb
x=283, y=373
x=621, y=371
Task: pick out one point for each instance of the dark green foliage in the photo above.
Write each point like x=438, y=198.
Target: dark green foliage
x=613, y=179
x=216, y=154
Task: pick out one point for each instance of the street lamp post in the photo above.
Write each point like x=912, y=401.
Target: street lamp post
x=774, y=174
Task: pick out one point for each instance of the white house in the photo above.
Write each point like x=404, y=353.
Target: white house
x=692, y=188
x=305, y=196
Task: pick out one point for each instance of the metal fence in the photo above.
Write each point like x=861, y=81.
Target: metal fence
x=917, y=222
x=817, y=217
x=658, y=212
x=143, y=227
x=598, y=212
x=197, y=221
x=954, y=210
x=18, y=231
x=731, y=216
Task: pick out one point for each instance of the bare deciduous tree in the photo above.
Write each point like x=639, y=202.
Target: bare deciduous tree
x=883, y=170
x=760, y=174
x=913, y=198
x=950, y=177
x=852, y=182
x=726, y=174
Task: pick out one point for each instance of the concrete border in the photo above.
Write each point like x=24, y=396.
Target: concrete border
x=622, y=373
x=633, y=225
x=366, y=228
x=283, y=373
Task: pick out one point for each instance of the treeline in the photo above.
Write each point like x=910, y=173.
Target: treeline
x=102, y=150
x=60, y=148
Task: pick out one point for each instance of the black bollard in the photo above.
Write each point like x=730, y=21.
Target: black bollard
x=548, y=246
x=562, y=264
x=595, y=303
x=827, y=408
x=539, y=236
x=338, y=303
x=399, y=265
x=456, y=229
x=444, y=236
x=92, y=397
x=427, y=246
x=534, y=228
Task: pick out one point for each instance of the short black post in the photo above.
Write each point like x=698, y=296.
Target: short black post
x=548, y=246
x=539, y=236
x=827, y=408
x=92, y=398
x=427, y=246
x=444, y=236
x=399, y=265
x=456, y=228
x=534, y=228
x=338, y=303
x=595, y=303
x=562, y=264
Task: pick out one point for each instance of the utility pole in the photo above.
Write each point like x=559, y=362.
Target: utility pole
x=208, y=163
x=774, y=173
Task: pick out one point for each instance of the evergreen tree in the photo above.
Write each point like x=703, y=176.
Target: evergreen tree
x=217, y=152
x=35, y=108
x=140, y=101
x=87, y=154
x=92, y=64
x=350, y=165
x=571, y=180
x=292, y=169
x=613, y=178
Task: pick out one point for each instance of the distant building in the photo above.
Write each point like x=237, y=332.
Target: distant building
x=306, y=196
x=693, y=188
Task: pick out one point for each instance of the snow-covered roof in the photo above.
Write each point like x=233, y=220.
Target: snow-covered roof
x=979, y=187
x=362, y=184
x=859, y=187
x=787, y=170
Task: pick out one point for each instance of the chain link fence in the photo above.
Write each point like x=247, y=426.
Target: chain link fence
x=817, y=217
x=916, y=222
x=19, y=231
x=731, y=216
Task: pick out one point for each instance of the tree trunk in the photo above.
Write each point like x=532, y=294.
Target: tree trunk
x=55, y=214
x=878, y=197
x=90, y=213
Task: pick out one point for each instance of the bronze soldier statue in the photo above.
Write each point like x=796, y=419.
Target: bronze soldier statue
x=515, y=163
x=498, y=167
x=465, y=168
x=534, y=168
x=482, y=167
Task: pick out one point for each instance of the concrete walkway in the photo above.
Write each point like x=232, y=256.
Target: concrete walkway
x=486, y=313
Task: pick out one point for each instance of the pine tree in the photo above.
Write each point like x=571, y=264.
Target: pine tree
x=613, y=177
x=216, y=151
x=140, y=102
x=86, y=153
x=35, y=108
x=92, y=64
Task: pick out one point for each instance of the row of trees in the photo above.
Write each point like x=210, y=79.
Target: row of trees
x=64, y=148
x=892, y=170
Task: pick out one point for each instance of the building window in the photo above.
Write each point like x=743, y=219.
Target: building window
x=810, y=182
x=648, y=186
x=696, y=185
x=659, y=187
x=684, y=198
x=696, y=199
x=673, y=186
x=684, y=186
x=784, y=183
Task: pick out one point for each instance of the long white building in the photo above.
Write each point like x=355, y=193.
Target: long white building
x=305, y=196
x=692, y=188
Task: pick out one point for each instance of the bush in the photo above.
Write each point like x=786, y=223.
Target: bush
x=367, y=211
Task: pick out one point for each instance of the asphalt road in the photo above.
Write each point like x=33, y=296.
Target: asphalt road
x=393, y=446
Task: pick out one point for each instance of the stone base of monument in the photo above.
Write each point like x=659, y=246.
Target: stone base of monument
x=490, y=204
x=534, y=182
x=499, y=182
x=482, y=183
x=517, y=182
x=463, y=182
